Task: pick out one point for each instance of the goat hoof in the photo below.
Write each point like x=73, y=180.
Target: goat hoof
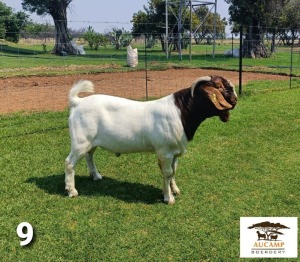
x=95, y=176
x=72, y=192
x=169, y=201
x=176, y=191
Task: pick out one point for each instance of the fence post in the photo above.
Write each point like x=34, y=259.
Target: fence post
x=146, y=68
x=241, y=59
x=291, y=64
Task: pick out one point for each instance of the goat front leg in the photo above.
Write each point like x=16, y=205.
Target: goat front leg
x=166, y=166
x=94, y=174
x=174, y=187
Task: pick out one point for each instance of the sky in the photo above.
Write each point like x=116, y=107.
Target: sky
x=102, y=15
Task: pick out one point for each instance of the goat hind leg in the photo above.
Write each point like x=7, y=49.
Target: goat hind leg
x=94, y=174
x=70, y=163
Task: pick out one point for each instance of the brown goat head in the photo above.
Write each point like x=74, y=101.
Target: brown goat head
x=219, y=91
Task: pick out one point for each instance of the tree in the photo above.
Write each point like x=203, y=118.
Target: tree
x=151, y=22
x=252, y=15
x=204, y=25
x=11, y=23
x=290, y=18
x=261, y=17
x=58, y=10
x=273, y=13
x=269, y=228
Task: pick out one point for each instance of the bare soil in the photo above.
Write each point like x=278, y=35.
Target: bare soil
x=42, y=93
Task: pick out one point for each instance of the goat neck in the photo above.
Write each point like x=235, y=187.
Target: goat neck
x=193, y=111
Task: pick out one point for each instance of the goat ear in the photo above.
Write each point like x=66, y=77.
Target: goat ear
x=215, y=96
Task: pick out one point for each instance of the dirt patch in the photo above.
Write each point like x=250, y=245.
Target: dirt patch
x=50, y=93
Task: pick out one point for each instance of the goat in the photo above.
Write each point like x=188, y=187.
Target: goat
x=259, y=235
x=163, y=126
x=274, y=237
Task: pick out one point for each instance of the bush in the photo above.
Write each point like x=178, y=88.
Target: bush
x=120, y=38
x=94, y=39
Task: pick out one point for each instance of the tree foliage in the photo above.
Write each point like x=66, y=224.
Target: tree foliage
x=276, y=17
x=250, y=14
x=151, y=22
x=11, y=23
x=204, y=25
x=58, y=10
x=38, y=31
x=290, y=20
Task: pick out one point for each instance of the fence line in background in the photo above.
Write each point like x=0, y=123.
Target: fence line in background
x=32, y=54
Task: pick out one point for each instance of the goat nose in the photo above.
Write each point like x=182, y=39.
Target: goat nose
x=234, y=100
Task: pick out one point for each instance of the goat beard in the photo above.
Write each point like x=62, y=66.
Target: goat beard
x=224, y=116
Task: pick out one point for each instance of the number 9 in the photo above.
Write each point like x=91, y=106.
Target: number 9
x=28, y=236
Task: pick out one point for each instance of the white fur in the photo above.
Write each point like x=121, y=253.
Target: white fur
x=124, y=126
x=81, y=86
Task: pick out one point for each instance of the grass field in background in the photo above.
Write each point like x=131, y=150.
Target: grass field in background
x=246, y=167
x=30, y=59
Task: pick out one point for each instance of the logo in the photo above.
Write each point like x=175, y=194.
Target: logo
x=263, y=237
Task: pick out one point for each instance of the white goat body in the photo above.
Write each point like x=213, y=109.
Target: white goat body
x=124, y=126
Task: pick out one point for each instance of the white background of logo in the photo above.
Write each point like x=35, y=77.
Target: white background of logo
x=248, y=237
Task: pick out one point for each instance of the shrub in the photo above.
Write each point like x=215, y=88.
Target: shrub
x=94, y=39
x=120, y=38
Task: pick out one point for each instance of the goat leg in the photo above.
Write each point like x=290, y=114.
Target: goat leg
x=89, y=157
x=165, y=164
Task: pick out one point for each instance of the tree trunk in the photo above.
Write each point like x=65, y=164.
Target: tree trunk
x=62, y=39
x=273, y=41
x=162, y=42
x=253, y=45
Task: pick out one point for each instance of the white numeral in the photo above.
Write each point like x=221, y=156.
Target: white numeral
x=28, y=236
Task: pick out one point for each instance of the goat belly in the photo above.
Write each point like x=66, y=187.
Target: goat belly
x=126, y=142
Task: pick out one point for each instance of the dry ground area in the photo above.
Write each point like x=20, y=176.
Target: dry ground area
x=50, y=93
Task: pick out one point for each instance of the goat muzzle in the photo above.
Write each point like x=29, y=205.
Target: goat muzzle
x=233, y=102
x=224, y=116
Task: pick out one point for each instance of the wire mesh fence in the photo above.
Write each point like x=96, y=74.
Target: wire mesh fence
x=33, y=78
x=199, y=52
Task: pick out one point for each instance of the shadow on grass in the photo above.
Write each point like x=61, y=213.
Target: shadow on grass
x=122, y=190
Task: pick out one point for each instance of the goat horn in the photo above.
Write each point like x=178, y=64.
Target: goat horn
x=197, y=81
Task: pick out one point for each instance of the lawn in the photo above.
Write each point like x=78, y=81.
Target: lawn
x=29, y=59
x=246, y=167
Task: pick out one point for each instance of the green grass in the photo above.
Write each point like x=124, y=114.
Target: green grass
x=25, y=60
x=246, y=167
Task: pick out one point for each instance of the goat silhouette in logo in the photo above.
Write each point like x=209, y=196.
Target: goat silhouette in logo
x=259, y=235
x=274, y=237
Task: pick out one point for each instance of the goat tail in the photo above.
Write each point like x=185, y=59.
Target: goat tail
x=81, y=86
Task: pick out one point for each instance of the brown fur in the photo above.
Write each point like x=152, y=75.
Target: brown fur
x=203, y=100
